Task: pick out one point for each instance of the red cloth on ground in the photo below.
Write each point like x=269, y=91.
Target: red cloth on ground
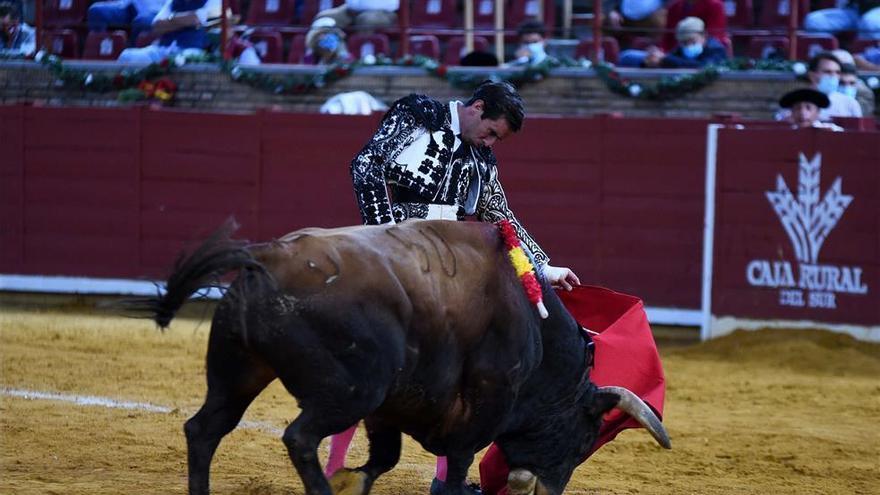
x=625, y=355
x=710, y=11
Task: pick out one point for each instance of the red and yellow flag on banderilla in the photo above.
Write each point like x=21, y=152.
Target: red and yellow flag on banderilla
x=523, y=266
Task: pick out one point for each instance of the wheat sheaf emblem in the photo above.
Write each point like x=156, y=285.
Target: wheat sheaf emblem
x=806, y=220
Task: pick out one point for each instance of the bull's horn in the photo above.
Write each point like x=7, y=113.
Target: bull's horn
x=631, y=404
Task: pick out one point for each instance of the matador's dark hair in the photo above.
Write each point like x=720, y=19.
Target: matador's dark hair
x=500, y=99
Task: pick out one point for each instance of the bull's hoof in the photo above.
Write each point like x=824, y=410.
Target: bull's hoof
x=521, y=482
x=349, y=482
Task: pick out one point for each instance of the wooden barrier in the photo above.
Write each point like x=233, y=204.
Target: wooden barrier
x=89, y=192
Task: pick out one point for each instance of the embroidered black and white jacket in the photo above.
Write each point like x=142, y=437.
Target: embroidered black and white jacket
x=418, y=157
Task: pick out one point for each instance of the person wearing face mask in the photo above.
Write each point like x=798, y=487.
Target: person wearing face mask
x=532, y=44
x=851, y=85
x=824, y=75
x=325, y=43
x=695, y=49
x=16, y=37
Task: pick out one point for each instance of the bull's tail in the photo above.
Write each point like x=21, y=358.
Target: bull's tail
x=216, y=256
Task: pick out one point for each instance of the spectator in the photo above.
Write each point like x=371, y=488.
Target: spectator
x=868, y=59
x=325, y=43
x=710, y=11
x=694, y=49
x=181, y=26
x=861, y=15
x=16, y=37
x=824, y=76
x=649, y=15
x=138, y=14
x=363, y=15
x=532, y=47
x=804, y=107
x=852, y=86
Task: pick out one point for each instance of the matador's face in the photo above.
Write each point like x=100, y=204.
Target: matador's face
x=477, y=131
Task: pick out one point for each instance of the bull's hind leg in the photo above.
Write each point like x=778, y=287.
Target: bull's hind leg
x=235, y=378
x=384, y=454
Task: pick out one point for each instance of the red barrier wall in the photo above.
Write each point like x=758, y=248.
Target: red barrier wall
x=118, y=192
x=758, y=273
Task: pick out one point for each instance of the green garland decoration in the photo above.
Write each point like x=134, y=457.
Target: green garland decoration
x=667, y=88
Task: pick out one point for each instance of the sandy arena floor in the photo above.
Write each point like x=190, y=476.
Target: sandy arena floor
x=772, y=412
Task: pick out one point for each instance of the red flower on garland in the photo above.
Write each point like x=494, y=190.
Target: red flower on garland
x=147, y=88
x=341, y=71
x=164, y=63
x=441, y=70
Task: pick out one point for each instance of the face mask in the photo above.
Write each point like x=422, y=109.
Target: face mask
x=848, y=90
x=536, y=50
x=692, y=51
x=828, y=84
x=329, y=42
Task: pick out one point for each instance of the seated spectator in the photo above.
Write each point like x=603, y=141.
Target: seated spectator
x=532, y=47
x=363, y=15
x=694, y=49
x=824, y=75
x=804, y=106
x=632, y=15
x=181, y=25
x=861, y=15
x=16, y=37
x=325, y=43
x=711, y=12
x=851, y=85
x=868, y=59
x=137, y=14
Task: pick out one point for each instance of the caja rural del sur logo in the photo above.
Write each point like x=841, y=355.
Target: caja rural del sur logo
x=808, y=222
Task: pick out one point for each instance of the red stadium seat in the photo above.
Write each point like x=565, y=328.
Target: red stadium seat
x=426, y=45
x=768, y=46
x=61, y=42
x=521, y=10
x=268, y=45
x=271, y=13
x=439, y=14
x=310, y=9
x=775, y=13
x=609, y=51
x=64, y=13
x=455, y=49
x=809, y=44
x=361, y=45
x=105, y=45
x=484, y=14
x=297, y=52
x=739, y=13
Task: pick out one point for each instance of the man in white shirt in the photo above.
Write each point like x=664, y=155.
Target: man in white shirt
x=824, y=76
x=16, y=37
x=181, y=26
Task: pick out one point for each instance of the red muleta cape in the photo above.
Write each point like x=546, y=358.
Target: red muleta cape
x=625, y=355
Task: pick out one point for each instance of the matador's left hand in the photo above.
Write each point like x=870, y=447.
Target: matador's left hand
x=561, y=277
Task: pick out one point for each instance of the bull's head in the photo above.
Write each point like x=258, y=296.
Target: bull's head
x=550, y=478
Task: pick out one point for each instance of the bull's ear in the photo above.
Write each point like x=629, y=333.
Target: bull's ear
x=602, y=403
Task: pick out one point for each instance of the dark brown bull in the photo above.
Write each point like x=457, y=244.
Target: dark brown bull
x=421, y=328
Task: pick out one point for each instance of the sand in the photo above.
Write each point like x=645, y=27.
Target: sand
x=767, y=412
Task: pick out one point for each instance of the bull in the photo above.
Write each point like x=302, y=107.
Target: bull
x=420, y=328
